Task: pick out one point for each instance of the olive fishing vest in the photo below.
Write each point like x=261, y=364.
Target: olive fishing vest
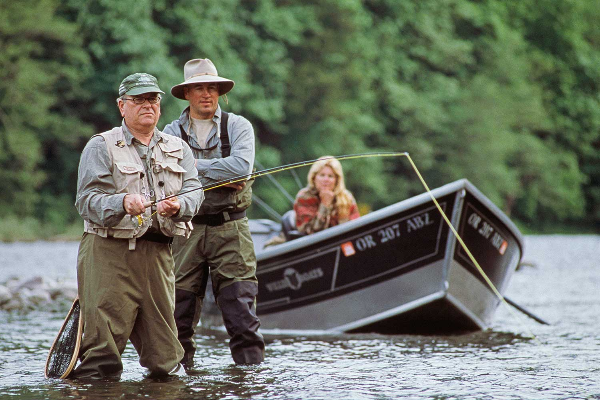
x=223, y=199
x=130, y=177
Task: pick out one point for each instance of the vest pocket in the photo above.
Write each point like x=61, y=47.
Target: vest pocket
x=171, y=149
x=128, y=173
x=172, y=167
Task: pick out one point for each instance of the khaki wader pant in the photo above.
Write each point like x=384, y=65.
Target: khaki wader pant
x=226, y=254
x=125, y=295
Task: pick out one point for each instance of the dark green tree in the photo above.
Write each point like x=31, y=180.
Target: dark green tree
x=564, y=49
x=461, y=95
x=502, y=93
x=41, y=72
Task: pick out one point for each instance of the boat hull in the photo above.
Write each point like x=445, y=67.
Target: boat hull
x=397, y=270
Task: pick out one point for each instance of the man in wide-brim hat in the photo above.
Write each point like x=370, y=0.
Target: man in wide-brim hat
x=201, y=70
x=220, y=246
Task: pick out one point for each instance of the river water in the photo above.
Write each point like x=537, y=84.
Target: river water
x=561, y=284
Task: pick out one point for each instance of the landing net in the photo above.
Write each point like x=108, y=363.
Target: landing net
x=63, y=353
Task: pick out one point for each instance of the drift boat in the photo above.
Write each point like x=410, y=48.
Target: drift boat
x=396, y=270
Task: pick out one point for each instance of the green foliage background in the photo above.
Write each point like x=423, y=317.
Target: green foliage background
x=501, y=92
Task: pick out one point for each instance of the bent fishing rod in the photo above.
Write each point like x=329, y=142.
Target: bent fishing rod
x=268, y=171
x=273, y=170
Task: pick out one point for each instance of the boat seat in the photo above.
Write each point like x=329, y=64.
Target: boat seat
x=288, y=226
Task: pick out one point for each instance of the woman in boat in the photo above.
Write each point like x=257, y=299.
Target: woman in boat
x=325, y=201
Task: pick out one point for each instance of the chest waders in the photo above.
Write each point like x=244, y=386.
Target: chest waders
x=221, y=238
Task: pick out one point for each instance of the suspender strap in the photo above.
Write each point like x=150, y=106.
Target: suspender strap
x=184, y=135
x=225, y=146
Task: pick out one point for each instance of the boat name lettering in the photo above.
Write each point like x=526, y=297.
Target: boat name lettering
x=292, y=279
x=486, y=230
x=418, y=222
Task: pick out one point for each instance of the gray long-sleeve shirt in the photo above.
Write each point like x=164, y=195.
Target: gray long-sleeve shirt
x=211, y=167
x=97, y=200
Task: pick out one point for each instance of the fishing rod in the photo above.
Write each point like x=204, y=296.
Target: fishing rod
x=526, y=312
x=467, y=251
x=72, y=329
x=268, y=171
x=292, y=166
x=277, y=184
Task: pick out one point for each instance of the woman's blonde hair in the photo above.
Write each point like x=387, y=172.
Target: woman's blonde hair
x=342, y=198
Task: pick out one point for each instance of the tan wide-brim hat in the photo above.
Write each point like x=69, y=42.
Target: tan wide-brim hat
x=201, y=70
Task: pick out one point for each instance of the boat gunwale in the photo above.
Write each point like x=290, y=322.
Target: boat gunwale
x=388, y=211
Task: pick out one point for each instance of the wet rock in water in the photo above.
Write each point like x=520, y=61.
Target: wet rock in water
x=32, y=283
x=62, y=290
x=14, y=304
x=37, y=293
x=37, y=296
x=5, y=295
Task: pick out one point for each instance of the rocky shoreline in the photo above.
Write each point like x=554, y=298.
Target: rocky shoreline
x=36, y=293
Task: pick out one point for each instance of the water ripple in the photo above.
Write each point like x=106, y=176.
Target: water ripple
x=500, y=363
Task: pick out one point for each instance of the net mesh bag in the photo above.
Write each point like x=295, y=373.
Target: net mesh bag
x=63, y=354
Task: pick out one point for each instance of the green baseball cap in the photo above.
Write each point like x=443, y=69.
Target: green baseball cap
x=139, y=83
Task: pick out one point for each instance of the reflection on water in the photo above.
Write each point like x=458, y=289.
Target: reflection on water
x=503, y=362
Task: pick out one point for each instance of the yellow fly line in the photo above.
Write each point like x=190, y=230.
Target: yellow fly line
x=464, y=246
x=371, y=155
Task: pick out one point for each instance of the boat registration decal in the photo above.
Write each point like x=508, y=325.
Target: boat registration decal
x=485, y=229
x=387, y=234
x=348, y=249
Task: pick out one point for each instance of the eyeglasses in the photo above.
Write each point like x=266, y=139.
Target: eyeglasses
x=141, y=100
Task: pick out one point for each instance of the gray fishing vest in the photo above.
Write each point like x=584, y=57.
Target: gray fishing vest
x=130, y=177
